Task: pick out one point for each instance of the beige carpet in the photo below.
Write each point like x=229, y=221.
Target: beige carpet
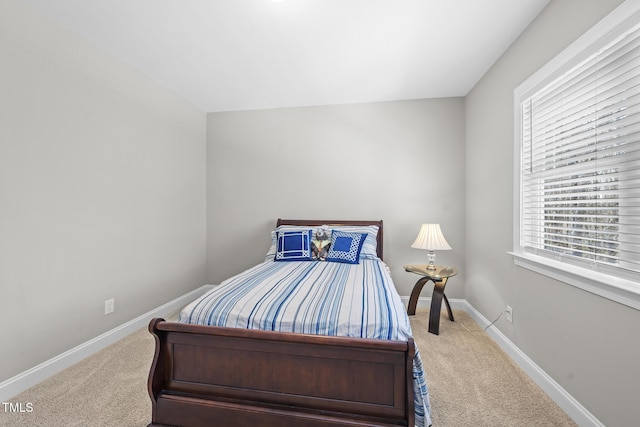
x=471, y=382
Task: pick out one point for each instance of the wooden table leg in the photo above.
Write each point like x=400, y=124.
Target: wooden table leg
x=446, y=302
x=436, y=305
x=415, y=294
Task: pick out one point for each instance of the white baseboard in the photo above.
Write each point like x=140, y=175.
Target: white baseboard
x=456, y=304
x=41, y=372
x=563, y=399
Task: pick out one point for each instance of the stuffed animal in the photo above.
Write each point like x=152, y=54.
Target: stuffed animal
x=319, y=246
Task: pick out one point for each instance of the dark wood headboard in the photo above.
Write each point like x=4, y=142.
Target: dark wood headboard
x=317, y=223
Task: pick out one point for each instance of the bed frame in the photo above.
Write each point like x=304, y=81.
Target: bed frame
x=216, y=376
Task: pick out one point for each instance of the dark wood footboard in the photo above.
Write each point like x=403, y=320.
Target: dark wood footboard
x=214, y=376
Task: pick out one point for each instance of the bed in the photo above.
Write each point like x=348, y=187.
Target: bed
x=320, y=339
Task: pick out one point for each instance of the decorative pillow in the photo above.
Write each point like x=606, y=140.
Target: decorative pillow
x=369, y=249
x=293, y=246
x=271, y=253
x=345, y=247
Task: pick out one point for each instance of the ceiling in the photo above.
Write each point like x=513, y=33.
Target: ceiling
x=229, y=55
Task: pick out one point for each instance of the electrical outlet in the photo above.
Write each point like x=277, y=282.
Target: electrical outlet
x=509, y=314
x=109, y=306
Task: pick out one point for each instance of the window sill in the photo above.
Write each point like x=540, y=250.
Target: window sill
x=622, y=291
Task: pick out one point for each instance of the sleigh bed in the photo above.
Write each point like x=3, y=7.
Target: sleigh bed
x=277, y=345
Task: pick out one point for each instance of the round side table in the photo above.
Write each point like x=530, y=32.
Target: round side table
x=439, y=277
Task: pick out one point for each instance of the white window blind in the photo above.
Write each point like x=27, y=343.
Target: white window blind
x=580, y=162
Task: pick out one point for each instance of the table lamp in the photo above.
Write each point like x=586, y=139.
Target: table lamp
x=430, y=238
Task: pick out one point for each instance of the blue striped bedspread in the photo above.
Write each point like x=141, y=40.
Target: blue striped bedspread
x=320, y=298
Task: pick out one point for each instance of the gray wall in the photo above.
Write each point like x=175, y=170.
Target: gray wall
x=585, y=342
x=102, y=191
x=402, y=162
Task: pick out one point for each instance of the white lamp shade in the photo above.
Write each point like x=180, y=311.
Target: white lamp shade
x=430, y=238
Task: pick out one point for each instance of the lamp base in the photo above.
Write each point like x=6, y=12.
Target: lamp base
x=431, y=260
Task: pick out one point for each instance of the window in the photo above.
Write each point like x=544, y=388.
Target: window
x=578, y=162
